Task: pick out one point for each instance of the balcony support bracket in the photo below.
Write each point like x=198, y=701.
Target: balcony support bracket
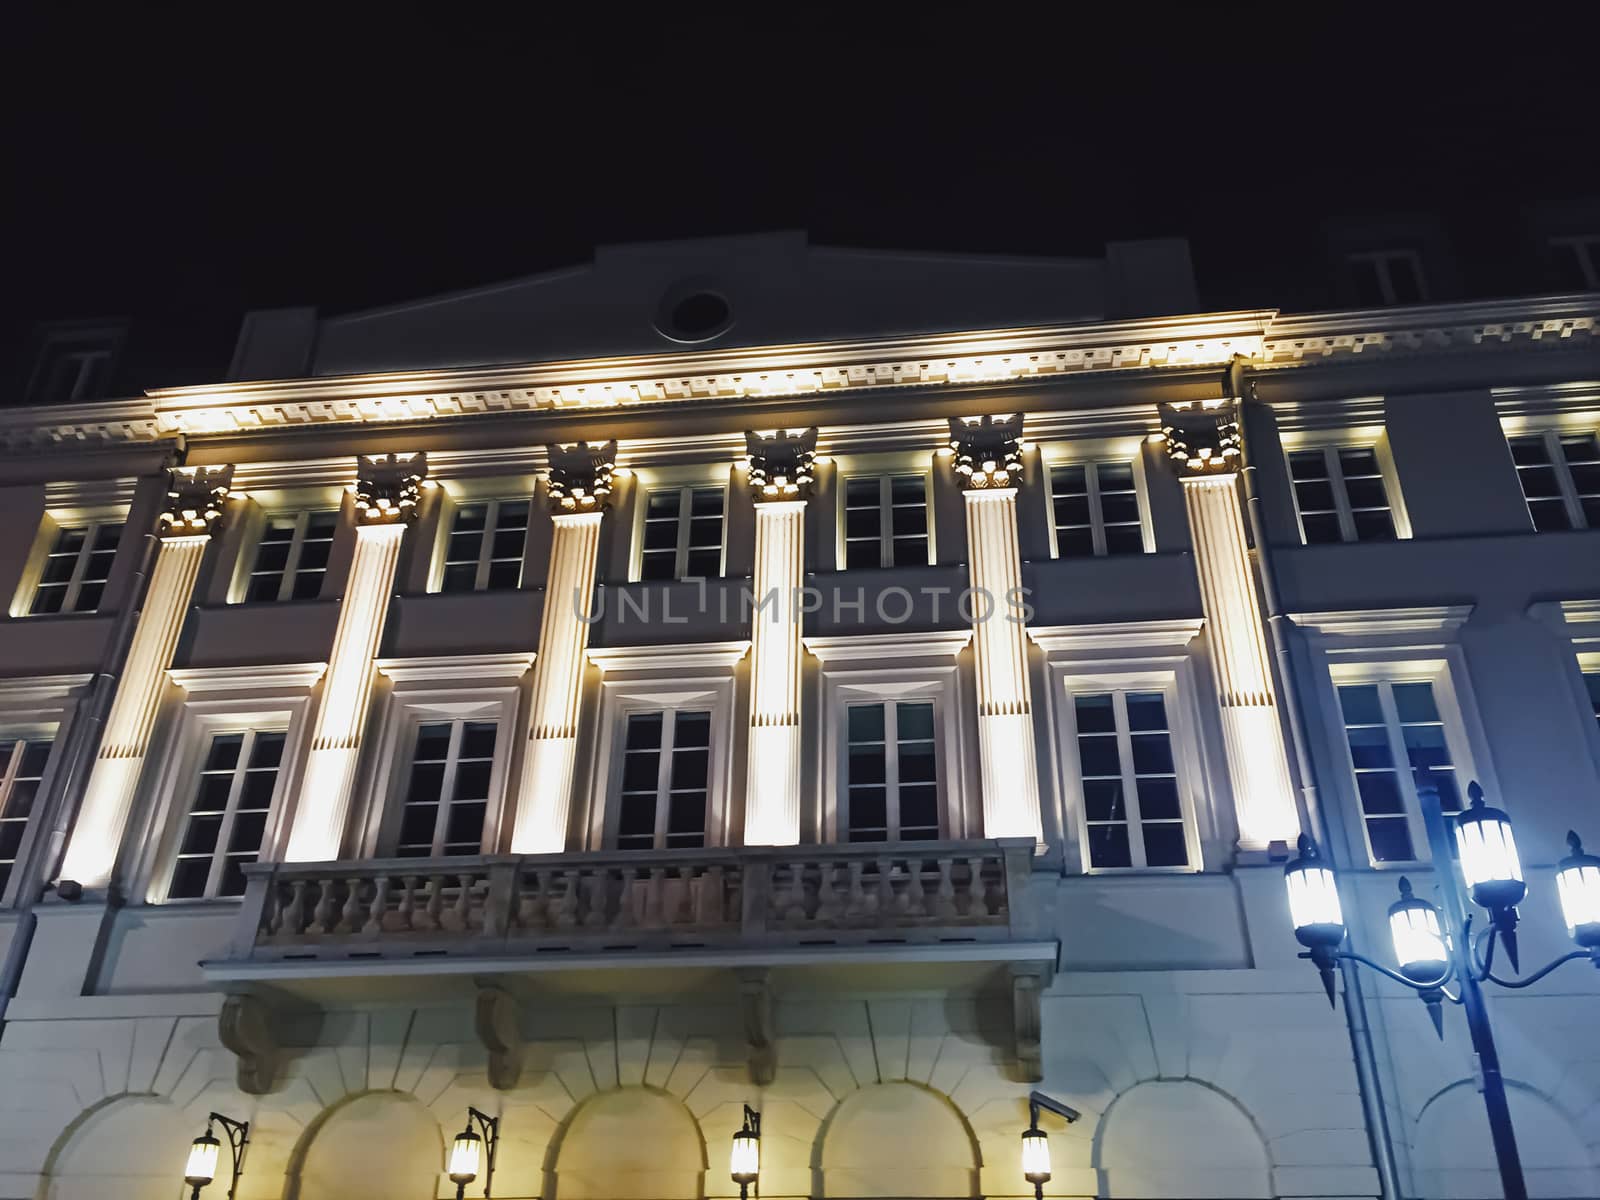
x=755, y=1001
x=244, y=1027
x=1028, y=982
x=500, y=1031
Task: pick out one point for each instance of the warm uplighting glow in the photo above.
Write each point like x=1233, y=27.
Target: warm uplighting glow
x=988, y=450
x=465, y=1156
x=1488, y=851
x=1418, y=940
x=1202, y=436
x=1035, y=1156
x=781, y=465
x=1313, y=898
x=201, y=1168
x=1578, y=885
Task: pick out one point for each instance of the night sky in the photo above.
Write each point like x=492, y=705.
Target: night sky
x=182, y=169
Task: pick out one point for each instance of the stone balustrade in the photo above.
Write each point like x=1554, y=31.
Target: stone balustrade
x=721, y=899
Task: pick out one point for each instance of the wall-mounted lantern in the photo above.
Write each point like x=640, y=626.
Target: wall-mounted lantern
x=744, y=1160
x=206, y=1153
x=467, y=1153
x=1036, y=1144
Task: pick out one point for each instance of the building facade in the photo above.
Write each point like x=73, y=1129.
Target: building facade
x=863, y=688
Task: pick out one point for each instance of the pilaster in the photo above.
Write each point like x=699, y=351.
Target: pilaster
x=195, y=499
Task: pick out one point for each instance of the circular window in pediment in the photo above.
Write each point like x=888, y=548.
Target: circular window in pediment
x=693, y=311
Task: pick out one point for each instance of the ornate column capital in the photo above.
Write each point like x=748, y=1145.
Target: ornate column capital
x=1202, y=436
x=388, y=487
x=988, y=451
x=781, y=465
x=580, y=476
x=195, y=498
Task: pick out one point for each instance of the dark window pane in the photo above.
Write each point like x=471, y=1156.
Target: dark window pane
x=268, y=750
x=460, y=577
x=1390, y=839
x=433, y=741
x=200, y=835
x=1360, y=705
x=1529, y=451
x=1102, y=800
x=1158, y=799
x=257, y=789
x=470, y=517
x=1098, y=756
x=1366, y=493
x=1119, y=510
x=503, y=576
x=692, y=729
x=866, y=722
x=1147, y=711
x=1314, y=496
x=34, y=757
x=307, y=585
x=913, y=721
x=918, y=764
x=1164, y=845
x=658, y=565
x=1108, y=846
x=685, y=816
x=1124, y=539
x=416, y=825
x=1075, y=543
x=1414, y=702
x=640, y=771
x=862, y=556
x=1322, y=529
x=1375, y=525
x=224, y=752
x=247, y=832
x=465, y=826
x=472, y=780
x=427, y=782
x=704, y=564
x=477, y=739
x=644, y=731
x=1152, y=754
x=189, y=878
x=1380, y=793
x=1095, y=714
x=868, y=809
x=919, y=811
x=910, y=552
x=689, y=769
x=89, y=597
x=1308, y=464
x=861, y=523
x=866, y=765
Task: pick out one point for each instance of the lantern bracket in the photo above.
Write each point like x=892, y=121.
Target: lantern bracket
x=1038, y=1101
x=238, y=1140
x=491, y=1142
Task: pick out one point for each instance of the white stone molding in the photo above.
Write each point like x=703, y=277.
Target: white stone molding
x=26, y=695
x=544, y=799
x=884, y=647
x=668, y=659
x=1258, y=764
x=93, y=495
x=1010, y=778
x=1118, y=639
x=772, y=795
x=1443, y=621
x=271, y=678
x=458, y=668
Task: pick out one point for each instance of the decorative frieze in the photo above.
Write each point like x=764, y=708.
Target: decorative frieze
x=1202, y=436
x=195, y=499
x=988, y=450
x=580, y=476
x=781, y=465
x=388, y=487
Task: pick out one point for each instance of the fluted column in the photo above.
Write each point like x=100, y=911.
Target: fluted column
x=195, y=499
x=385, y=501
x=1203, y=441
x=779, y=467
x=988, y=458
x=579, y=488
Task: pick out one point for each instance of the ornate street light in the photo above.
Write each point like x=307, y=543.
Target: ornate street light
x=744, y=1160
x=467, y=1153
x=1436, y=948
x=206, y=1152
x=1036, y=1145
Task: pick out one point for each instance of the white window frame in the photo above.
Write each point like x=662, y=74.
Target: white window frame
x=1409, y=645
x=36, y=708
x=265, y=502
x=682, y=480
x=230, y=811
x=457, y=723
x=1576, y=623
x=491, y=525
x=1551, y=436
x=484, y=687
x=890, y=705
x=690, y=676
x=302, y=522
x=663, y=790
x=219, y=700
x=884, y=467
x=56, y=520
x=874, y=668
x=1091, y=454
x=1330, y=442
x=1381, y=261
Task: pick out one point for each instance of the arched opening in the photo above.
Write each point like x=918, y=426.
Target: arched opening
x=380, y=1146
x=631, y=1144
x=897, y=1139
x=133, y=1148
x=1453, y=1158
x=1178, y=1138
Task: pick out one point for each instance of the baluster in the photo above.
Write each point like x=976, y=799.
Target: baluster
x=794, y=907
x=567, y=906
x=926, y=883
x=463, y=909
x=656, y=913
x=857, y=903
x=295, y=918
x=435, y=906
x=322, y=915
x=997, y=886
x=533, y=897
x=596, y=898
x=945, y=905
x=828, y=901
x=630, y=899
x=885, y=894
x=380, y=902
x=352, y=906
x=407, y=912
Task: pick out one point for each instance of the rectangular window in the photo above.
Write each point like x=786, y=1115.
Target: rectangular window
x=885, y=521
x=1591, y=680
x=76, y=568
x=1096, y=510
x=227, y=820
x=1560, y=474
x=1398, y=747
x=1341, y=496
x=682, y=534
x=485, y=549
x=1131, y=805
x=292, y=556
x=892, y=786
x=22, y=763
x=664, y=798
x=447, y=794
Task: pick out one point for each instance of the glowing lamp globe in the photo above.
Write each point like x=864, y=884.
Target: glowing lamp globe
x=1578, y=885
x=201, y=1168
x=1488, y=852
x=1313, y=899
x=744, y=1160
x=1418, y=939
x=465, y=1155
x=1035, y=1156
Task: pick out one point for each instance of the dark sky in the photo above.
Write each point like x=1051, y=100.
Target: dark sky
x=180, y=169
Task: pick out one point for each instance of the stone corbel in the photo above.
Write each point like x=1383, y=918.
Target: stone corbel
x=1027, y=987
x=755, y=1002
x=499, y=1029
x=244, y=1027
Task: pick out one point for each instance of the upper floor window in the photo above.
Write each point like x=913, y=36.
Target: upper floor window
x=885, y=521
x=1591, y=681
x=1577, y=261
x=1095, y=506
x=663, y=800
x=487, y=540
x=291, y=558
x=1341, y=495
x=892, y=781
x=1399, y=746
x=22, y=763
x=227, y=820
x=76, y=568
x=451, y=775
x=1560, y=474
x=1384, y=277
x=1132, y=811
x=682, y=533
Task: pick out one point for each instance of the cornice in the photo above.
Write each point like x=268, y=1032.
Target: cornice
x=878, y=647
x=686, y=656
x=278, y=677
x=453, y=668
x=31, y=691
x=1173, y=634
x=1569, y=618
x=1376, y=622
x=781, y=374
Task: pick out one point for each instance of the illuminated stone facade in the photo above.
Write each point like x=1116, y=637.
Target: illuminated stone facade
x=862, y=727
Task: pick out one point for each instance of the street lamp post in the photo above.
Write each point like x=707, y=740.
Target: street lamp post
x=1435, y=948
